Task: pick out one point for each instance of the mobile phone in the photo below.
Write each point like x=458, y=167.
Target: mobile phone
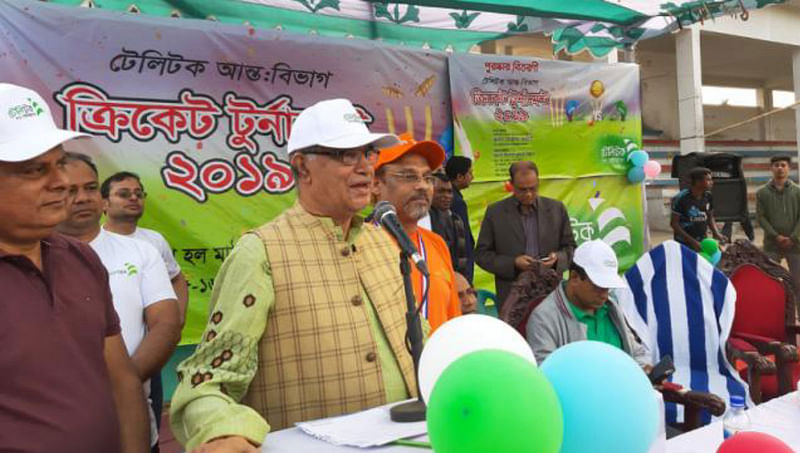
x=663, y=369
x=544, y=257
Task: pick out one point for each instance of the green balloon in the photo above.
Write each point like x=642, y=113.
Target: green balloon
x=709, y=246
x=706, y=257
x=494, y=401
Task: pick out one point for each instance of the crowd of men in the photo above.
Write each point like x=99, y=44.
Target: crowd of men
x=307, y=318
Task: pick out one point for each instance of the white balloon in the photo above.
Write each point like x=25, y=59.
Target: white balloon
x=462, y=335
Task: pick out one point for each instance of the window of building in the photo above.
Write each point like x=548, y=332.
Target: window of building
x=739, y=97
x=782, y=98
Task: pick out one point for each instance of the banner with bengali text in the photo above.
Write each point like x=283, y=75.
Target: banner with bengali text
x=202, y=111
x=576, y=121
x=572, y=119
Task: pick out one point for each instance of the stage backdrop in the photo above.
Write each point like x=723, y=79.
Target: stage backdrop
x=575, y=120
x=202, y=112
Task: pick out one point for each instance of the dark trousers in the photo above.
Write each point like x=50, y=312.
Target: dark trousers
x=156, y=402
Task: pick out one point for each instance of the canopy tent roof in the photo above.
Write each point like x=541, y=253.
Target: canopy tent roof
x=596, y=26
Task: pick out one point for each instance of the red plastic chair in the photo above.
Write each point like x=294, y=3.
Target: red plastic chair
x=762, y=302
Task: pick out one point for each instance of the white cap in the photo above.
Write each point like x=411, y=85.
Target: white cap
x=27, y=128
x=600, y=264
x=334, y=123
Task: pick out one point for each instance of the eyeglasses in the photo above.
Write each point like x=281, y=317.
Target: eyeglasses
x=125, y=194
x=412, y=178
x=348, y=157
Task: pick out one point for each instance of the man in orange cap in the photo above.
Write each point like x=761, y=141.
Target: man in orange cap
x=404, y=177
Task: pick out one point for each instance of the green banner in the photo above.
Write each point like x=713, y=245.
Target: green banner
x=572, y=119
x=593, y=205
x=202, y=112
x=576, y=121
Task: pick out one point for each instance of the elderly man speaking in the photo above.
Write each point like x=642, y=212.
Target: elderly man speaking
x=308, y=311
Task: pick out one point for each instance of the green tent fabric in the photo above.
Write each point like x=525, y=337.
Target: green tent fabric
x=594, y=26
x=595, y=10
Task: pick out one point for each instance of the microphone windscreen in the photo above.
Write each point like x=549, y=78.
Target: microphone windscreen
x=382, y=208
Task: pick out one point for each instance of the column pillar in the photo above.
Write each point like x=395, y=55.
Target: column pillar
x=765, y=104
x=690, y=82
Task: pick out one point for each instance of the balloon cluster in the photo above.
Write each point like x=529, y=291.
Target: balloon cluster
x=485, y=393
x=641, y=165
x=709, y=249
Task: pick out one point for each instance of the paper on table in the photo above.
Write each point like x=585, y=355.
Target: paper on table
x=370, y=428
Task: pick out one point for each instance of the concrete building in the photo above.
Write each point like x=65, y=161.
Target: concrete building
x=706, y=77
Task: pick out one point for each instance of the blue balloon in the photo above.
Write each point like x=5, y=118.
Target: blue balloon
x=608, y=403
x=716, y=257
x=446, y=140
x=638, y=158
x=636, y=174
x=570, y=107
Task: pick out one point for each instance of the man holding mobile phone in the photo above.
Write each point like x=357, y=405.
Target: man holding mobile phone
x=523, y=229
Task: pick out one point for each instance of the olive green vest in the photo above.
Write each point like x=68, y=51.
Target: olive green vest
x=318, y=357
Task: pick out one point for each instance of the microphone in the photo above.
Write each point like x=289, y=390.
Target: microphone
x=387, y=216
x=412, y=411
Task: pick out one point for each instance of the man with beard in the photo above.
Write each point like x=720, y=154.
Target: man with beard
x=404, y=177
x=123, y=203
x=143, y=296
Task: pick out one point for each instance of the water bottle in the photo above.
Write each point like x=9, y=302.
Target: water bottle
x=736, y=419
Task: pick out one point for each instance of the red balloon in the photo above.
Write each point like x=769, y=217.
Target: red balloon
x=751, y=442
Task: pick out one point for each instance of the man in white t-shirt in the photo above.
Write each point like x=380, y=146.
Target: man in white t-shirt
x=123, y=203
x=141, y=289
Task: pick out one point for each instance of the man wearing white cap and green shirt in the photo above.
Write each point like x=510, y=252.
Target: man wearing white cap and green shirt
x=67, y=383
x=582, y=308
x=307, y=316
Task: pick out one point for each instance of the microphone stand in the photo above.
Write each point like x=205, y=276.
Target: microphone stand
x=412, y=411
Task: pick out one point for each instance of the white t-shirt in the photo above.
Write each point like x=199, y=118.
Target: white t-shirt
x=155, y=239
x=138, y=278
